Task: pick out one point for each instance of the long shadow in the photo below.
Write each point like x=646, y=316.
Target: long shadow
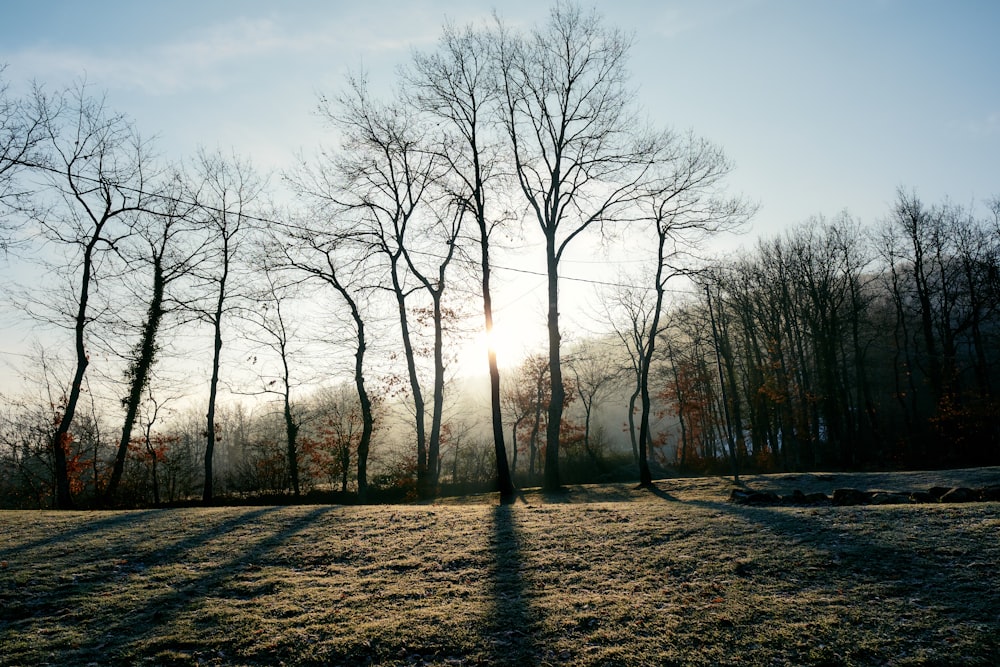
x=511, y=624
x=875, y=555
x=88, y=525
x=954, y=586
x=160, y=610
x=202, y=537
x=661, y=494
x=871, y=559
x=152, y=614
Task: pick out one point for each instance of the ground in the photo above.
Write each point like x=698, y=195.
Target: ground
x=602, y=575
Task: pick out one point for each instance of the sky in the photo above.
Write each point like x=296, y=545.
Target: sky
x=823, y=106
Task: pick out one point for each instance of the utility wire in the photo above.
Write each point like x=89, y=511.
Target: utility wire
x=177, y=200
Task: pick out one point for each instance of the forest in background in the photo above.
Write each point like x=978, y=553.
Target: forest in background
x=329, y=317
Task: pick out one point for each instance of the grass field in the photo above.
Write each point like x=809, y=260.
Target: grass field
x=603, y=575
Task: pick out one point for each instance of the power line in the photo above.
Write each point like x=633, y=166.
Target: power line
x=268, y=221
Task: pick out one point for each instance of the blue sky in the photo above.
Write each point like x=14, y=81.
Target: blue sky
x=823, y=106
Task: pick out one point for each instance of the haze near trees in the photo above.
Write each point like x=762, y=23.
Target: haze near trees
x=835, y=345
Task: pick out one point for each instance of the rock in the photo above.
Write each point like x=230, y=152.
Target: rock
x=799, y=498
x=990, y=494
x=817, y=499
x=742, y=497
x=890, y=498
x=850, y=497
x=960, y=495
x=763, y=498
x=922, y=497
x=739, y=496
x=859, y=497
x=795, y=498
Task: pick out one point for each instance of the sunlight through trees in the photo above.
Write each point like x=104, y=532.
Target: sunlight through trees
x=203, y=337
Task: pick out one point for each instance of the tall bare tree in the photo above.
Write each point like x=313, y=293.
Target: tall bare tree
x=324, y=259
x=685, y=206
x=98, y=168
x=225, y=190
x=327, y=247
x=163, y=244
x=456, y=84
x=578, y=157
x=390, y=185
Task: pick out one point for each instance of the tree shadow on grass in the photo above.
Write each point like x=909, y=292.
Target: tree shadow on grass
x=120, y=629
x=872, y=555
x=89, y=523
x=660, y=493
x=855, y=553
x=218, y=577
x=511, y=625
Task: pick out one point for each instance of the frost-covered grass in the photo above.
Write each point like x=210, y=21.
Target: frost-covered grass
x=603, y=575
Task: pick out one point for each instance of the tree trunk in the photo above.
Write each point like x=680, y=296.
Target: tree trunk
x=681, y=394
x=505, y=482
x=557, y=398
x=722, y=386
x=513, y=444
x=291, y=435
x=367, y=416
x=61, y=439
x=411, y=370
x=633, y=397
x=645, y=361
x=139, y=374
x=367, y=413
x=434, y=443
x=208, y=491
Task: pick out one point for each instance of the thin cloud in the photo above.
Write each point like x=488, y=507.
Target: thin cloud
x=212, y=58
x=670, y=22
x=987, y=127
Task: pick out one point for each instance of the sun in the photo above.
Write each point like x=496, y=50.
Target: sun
x=511, y=344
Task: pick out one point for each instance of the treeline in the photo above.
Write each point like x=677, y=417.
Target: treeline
x=837, y=345
x=158, y=269
x=182, y=289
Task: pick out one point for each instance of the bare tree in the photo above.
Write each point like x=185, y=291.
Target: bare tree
x=628, y=308
x=456, y=84
x=524, y=395
x=327, y=249
x=274, y=328
x=335, y=434
x=225, y=190
x=578, y=158
x=685, y=207
x=595, y=373
x=434, y=286
x=98, y=168
x=389, y=179
x=155, y=444
x=162, y=245
x=518, y=400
